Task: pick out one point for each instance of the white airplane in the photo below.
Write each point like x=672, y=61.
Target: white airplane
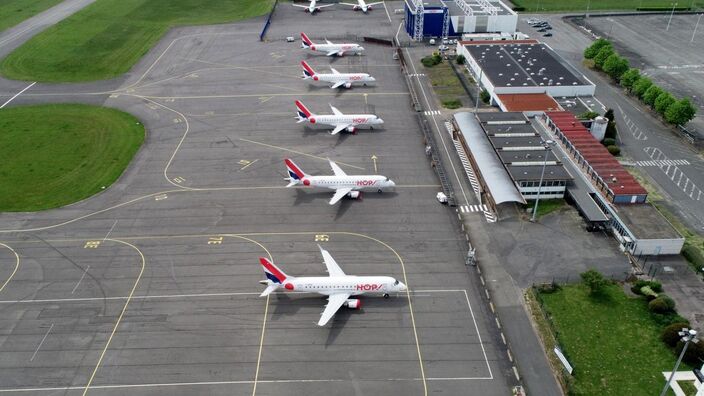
x=312, y=7
x=336, y=78
x=329, y=48
x=340, y=122
x=338, y=286
x=344, y=185
x=362, y=5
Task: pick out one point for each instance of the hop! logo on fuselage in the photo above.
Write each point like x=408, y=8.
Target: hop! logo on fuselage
x=359, y=120
x=369, y=287
x=366, y=182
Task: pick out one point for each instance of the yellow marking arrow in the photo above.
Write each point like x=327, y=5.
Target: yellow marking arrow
x=374, y=158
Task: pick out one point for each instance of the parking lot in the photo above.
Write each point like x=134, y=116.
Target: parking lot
x=152, y=287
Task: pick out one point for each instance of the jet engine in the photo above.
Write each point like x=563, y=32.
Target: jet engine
x=348, y=85
x=354, y=194
x=353, y=303
x=369, y=8
x=351, y=129
x=317, y=9
x=356, y=8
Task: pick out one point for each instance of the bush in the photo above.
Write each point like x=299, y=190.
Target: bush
x=667, y=318
x=694, y=355
x=588, y=115
x=648, y=292
x=452, y=104
x=460, y=59
x=591, y=51
x=601, y=56
x=670, y=335
x=430, y=61
x=641, y=86
x=680, y=112
x=629, y=78
x=694, y=255
x=519, y=9
x=611, y=131
x=615, y=66
x=663, y=102
x=614, y=150
x=485, y=96
x=594, y=280
x=609, y=142
x=662, y=304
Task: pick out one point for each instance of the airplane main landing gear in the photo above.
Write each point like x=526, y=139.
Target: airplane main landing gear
x=386, y=295
x=379, y=191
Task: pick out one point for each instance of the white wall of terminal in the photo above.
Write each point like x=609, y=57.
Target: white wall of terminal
x=552, y=90
x=484, y=23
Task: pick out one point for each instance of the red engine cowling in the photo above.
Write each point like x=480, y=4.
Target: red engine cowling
x=369, y=8
x=354, y=194
x=353, y=303
x=356, y=8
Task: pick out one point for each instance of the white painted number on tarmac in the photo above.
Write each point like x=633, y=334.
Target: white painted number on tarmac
x=322, y=238
x=91, y=245
x=215, y=241
x=244, y=162
x=160, y=197
x=179, y=179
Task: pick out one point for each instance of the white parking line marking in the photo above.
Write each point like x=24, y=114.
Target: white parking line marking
x=41, y=343
x=79, y=281
x=18, y=94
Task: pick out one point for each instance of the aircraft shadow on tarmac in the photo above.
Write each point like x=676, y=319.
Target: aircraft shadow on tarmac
x=307, y=197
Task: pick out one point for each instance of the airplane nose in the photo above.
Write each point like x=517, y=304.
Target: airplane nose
x=372, y=79
x=402, y=287
x=391, y=183
x=380, y=121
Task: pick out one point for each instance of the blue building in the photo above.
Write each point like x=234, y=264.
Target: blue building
x=435, y=18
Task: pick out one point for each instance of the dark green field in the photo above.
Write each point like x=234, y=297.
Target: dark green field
x=13, y=12
x=54, y=155
x=107, y=38
x=538, y=6
x=611, y=340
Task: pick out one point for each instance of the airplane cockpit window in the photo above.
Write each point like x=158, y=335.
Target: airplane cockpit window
x=396, y=283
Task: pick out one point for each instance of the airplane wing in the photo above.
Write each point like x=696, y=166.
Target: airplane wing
x=269, y=289
x=328, y=42
x=323, y=6
x=300, y=5
x=331, y=53
x=339, y=128
x=335, y=301
x=337, y=170
x=378, y=2
x=339, y=194
x=333, y=268
x=338, y=84
x=349, y=4
x=335, y=110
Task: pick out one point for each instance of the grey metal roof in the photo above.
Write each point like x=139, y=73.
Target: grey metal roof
x=533, y=172
x=492, y=169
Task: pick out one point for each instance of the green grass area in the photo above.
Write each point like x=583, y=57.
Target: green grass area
x=595, y=5
x=547, y=206
x=54, y=155
x=446, y=85
x=13, y=12
x=611, y=340
x=107, y=38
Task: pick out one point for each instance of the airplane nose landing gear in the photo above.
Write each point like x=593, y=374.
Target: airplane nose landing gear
x=386, y=295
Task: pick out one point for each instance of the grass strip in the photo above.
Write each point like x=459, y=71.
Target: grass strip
x=54, y=155
x=105, y=39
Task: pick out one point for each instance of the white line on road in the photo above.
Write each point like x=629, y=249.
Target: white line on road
x=79, y=281
x=40, y=344
x=18, y=94
x=109, y=232
x=387, y=11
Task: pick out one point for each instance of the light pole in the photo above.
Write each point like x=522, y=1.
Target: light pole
x=540, y=183
x=688, y=335
x=586, y=15
x=671, y=13
x=479, y=87
x=695, y=28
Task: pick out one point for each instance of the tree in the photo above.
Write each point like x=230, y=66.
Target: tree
x=615, y=66
x=641, y=86
x=460, y=59
x=630, y=77
x=594, y=280
x=601, y=56
x=680, y=112
x=591, y=51
x=651, y=94
x=663, y=101
x=485, y=96
x=611, y=131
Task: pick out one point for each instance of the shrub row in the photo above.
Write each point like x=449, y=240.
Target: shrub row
x=606, y=59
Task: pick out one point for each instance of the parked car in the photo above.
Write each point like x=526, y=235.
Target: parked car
x=548, y=34
x=542, y=30
x=443, y=48
x=548, y=27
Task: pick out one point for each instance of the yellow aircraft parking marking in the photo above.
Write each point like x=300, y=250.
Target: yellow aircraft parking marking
x=91, y=245
x=17, y=265
x=215, y=241
x=321, y=238
x=246, y=164
x=264, y=99
x=119, y=318
x=296, y=152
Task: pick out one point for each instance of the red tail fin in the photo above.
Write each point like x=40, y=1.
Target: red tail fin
x=306, y=39
x=309, y=70
x=302, y=109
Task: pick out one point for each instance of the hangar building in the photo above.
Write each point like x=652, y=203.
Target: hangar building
x=443, y=18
